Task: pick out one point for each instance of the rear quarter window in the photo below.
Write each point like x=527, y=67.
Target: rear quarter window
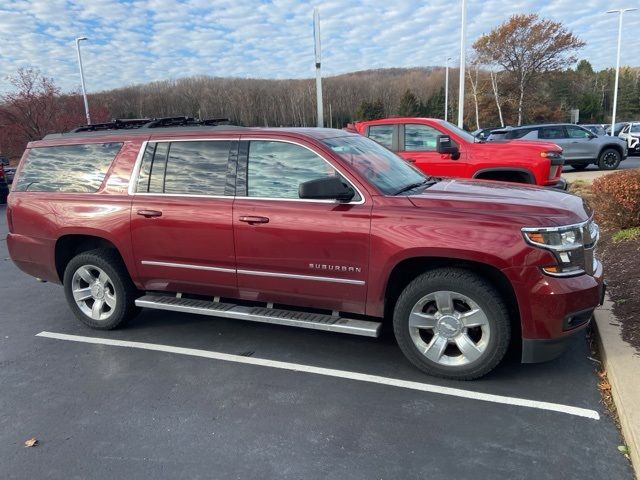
x=67, y=168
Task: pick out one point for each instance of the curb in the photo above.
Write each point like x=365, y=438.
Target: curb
x=622, y=364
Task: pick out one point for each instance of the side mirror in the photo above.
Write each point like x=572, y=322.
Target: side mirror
x=445, y=145
x=326, y=188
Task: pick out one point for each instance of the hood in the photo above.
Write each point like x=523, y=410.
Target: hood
x=506, y=202
x=540, y=145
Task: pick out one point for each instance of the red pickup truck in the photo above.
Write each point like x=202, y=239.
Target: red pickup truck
x=314, y=228
x=440, y=148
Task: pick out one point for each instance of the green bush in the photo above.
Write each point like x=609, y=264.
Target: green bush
x=616, y=198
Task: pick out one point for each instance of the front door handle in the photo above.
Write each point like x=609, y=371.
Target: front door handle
x=253, y=220
x=150, y=213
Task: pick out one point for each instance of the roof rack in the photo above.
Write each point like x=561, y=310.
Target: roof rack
x=140, y=123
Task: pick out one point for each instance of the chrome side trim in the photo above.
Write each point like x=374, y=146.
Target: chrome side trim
x=301, y=277
x=188, y=266
x=257, y=273
x=136, y=172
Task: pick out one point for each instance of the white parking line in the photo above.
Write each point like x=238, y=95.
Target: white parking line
x=329, y=372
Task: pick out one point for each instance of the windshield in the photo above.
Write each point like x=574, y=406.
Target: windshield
x=458, y=131
x=383, y=168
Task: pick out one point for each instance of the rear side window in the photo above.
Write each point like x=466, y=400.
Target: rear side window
x=383, y=134
x=67, y=168
x=185, y=168
x=551, y=133
x=518, y=133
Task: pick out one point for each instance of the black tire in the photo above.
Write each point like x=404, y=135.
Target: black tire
x=580, y=166
x=477, y=289
x=609, y=159
x=124, y=292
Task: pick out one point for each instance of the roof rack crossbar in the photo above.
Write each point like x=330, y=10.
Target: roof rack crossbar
x=139, y=123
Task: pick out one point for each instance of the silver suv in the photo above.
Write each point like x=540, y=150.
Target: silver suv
x=580, y=147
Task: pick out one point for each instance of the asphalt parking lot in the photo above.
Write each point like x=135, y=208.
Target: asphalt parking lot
x=300, y=404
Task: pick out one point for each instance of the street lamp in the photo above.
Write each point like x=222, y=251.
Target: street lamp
x=316, y=36
x=84, y=90
x=462, y=65
x=446, y=89
x=620, y=11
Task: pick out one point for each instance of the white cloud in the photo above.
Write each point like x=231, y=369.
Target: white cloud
x=134, y=41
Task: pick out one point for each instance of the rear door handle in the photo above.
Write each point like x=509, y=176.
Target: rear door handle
x=150, y=213
x=253, y=220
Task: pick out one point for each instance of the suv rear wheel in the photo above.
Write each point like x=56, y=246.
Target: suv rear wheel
x=99, y=290
x=452, y=323
x=609, y=159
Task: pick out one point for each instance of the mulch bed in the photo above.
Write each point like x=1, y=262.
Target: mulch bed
x=621, y=261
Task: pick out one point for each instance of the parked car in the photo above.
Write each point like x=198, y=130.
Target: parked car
x=631, y=135
x=595, y=128
x=315, y=228
x=618, y=128
x=9, y=171
x=580, y=147
x=440, y=148
x=483, y=133
x=4, y=188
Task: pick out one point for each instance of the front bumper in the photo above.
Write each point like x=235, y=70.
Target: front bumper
x=552, y=309
x=560, y=184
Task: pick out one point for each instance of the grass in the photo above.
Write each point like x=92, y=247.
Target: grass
x=627, y=234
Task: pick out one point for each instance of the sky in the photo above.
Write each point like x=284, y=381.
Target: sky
x=137, y=41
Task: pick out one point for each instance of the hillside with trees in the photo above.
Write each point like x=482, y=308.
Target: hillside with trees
x=537, y=80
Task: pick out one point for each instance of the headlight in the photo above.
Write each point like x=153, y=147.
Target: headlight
x=567, y=245
x=551, y=154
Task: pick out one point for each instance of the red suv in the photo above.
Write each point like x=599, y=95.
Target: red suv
x=440, y=148
x=315, y=228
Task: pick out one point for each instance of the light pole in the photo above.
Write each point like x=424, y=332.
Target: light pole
x=462, y=65
x=316, y=35
x=620, y=11
x=446, y=89
x=84, y=90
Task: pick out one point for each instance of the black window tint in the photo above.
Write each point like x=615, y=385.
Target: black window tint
x=552, y=132
x=196, y=168
x=276, y=169
x=382, y=134
x=158, y=167
x=67, y=168
x=420, y=138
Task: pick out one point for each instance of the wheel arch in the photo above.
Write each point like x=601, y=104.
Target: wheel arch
x=69, y=245
x=408, y=269
x=608, y=146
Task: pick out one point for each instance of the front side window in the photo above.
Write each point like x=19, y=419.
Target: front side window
x=420, y=138
x=577, y=132
x=383, y=134
x=276, y=169
x=185, y=168
x=635, y=128
x=67, y=168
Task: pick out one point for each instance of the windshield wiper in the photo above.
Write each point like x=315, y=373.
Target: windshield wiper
x=427, y=181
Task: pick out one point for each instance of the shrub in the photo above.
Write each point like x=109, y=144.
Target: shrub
x=617, y=199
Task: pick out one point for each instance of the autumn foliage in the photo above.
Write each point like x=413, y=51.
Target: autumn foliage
x=37, y=107
x=617, y=198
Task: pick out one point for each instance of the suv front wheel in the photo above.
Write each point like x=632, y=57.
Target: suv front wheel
x=452, y=323
x=609, y=159
x=99, y=290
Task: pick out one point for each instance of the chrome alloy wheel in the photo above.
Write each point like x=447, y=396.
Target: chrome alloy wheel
x=93, y=292
x=449, y=328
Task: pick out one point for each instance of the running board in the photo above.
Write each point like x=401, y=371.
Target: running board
x=316, y=321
